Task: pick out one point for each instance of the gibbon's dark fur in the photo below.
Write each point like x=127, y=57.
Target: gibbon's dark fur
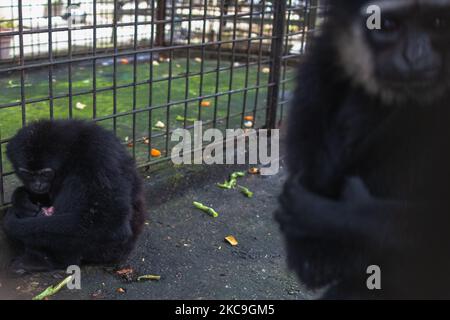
x=96, y=193
x=369, y=169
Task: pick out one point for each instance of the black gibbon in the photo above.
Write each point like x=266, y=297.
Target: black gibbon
x=81, y=200
x=369, y=153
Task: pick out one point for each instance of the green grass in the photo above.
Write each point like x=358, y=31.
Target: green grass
x=37, y=87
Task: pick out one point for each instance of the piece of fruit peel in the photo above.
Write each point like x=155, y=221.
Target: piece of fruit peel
x=231, y=240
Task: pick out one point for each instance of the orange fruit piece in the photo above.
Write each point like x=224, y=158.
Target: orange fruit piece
x=205, y=104
x=248, y=118
x=253, y=171
x=155, y=153
x=231, y=240
x=124, y=61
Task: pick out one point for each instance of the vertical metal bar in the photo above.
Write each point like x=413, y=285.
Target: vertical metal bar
x=150, y=84
x=188, y=64
x=285, y=62
x=202, y=64
x=69, y=40
x=115, y=22
x=94, y=60
x=50, y=57
x=219, y=60
x=22, y=63
x=249, y=46
x=233, y=56
x=160, y=28
x=169, y=84
x=135, y=46
x=304, y=31
x=276, y=54
x=312, y=17
x=260, y=49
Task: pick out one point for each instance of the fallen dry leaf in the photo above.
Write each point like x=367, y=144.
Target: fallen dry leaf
x=124, y=271
x=231, y=240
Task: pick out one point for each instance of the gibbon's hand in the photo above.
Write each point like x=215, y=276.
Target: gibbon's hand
x=305, y=214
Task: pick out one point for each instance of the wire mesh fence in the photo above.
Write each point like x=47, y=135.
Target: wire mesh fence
x=144, y=68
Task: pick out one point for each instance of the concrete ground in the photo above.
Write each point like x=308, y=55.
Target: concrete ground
x=186, y=247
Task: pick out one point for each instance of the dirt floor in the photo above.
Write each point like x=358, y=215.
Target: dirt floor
x=186, y=247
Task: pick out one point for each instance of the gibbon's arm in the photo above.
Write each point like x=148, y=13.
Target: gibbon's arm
x=69, y=206
x=22, y=205
x=356, y=216
x=18, y=228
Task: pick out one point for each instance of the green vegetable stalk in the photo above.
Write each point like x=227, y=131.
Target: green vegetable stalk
x=206, y=209
x=232, y=182
x=148, y=277
x=181, y=118
x=53, y=289
x=246, y=191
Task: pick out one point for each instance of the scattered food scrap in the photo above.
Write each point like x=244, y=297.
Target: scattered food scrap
x=155, y=63
x=206, y=209
x=121, y=272
x=232, y=183
x=124, y=61
x=149, y=277
x=126, y=274
x=53, y=289
x=254, y=170
x=155, y=153
x=130, y=144
x=98, y=294
x=80, y=106
x=266, y=70
x=146, y=140
x=246, y=191
x=248, y=124
x=205, y=104
x=121, y=290
x=48, y=211
x=231, y=240
x=160, y=125
x=249, y=118
x=181, y=118
x=198, y=59
x=233, y=180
